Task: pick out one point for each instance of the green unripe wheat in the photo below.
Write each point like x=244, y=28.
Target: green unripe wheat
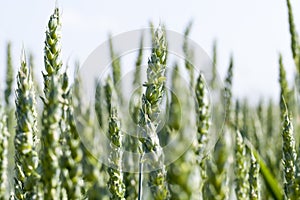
x=26, y=156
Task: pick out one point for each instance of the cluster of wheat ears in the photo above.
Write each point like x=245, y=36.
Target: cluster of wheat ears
x=42, y=155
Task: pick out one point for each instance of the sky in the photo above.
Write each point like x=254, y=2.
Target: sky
x=254, y=32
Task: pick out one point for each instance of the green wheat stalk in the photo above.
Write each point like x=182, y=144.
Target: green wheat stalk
x=52, y=113
x=188, y=53
x=115, y=183
x=203, y=124
x=71, y=167
x=246, y=119
x=253, y=178
x=152, y=32
x=228, y=91
x=284, y=90
x=9, y=74
x=109, y=94
x=294, y=37
x=291, y=189
x=26, y=155
x=272, y=184
x=149, y=114
x=237, y=120
x=52, y=60
x=138, y=64
x=216, y=186
x=295, y=44
x=76, y=90
x=213, y=82
x=4, y=137
x=116, y=68
x=72, y=154
x=241, y=168
x=270, y=118
x=51, y=150
x=98, y=103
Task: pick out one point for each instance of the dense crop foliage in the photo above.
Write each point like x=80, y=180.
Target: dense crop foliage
x=256, y=156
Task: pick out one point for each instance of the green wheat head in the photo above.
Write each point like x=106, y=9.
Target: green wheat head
x=115, y=183
x=52, y=113
x=116, y=69
x=203, y=124
x=4, y=137
x=228, y=90
x=241, y=168
x=284, y=90
x=52, y=60
x=98, y=104
x=291, y=188
x=213, y=82
x=149, y=113
x=202, y=114
x=71, y=158
x=295, y=46
x=253, y=179
x=188, y=53
x=138, y=64
x=26, y=155
x=9, y=74
x=155, y=81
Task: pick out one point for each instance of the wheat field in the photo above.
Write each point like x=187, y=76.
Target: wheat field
x=239, y=151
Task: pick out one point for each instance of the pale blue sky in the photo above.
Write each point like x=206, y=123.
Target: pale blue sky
x=254, y=31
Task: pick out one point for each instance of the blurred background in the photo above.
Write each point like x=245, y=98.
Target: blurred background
x=253, y=31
